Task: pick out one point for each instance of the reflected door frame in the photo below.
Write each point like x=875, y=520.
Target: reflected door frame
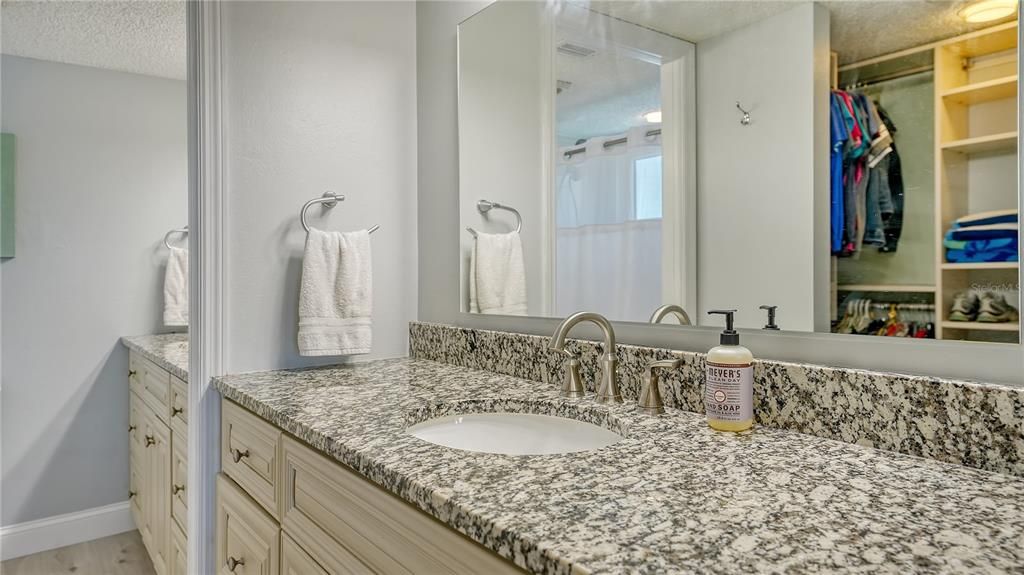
x=679, y=182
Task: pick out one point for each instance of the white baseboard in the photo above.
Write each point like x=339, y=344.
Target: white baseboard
x=62, y=530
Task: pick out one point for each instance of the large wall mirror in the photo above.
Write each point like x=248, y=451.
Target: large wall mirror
x=851, y=164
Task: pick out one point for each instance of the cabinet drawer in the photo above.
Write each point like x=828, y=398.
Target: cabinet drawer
x=336, y=515
x=179, y=481
x=178, y=563
x=248, y=540
x=178, y=404
x=156, y=387
x=135, y=373
x=295, y=560
x=249, y=454
x=136, y=427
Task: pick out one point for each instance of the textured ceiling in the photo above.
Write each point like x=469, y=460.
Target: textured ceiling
x=860, y=28
x=140, y=36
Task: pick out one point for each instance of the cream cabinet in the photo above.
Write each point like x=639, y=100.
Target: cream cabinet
x=158, y=455
x=286, y=508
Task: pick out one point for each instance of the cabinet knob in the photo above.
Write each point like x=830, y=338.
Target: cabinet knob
x=176, y=410
x=131, y=428
x=132, y=494
x=176, y=489
x=131, y=373
x=232, y=563
x=150, y=440
x=238, y=455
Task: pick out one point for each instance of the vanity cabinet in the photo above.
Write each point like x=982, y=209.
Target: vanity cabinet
x=158, y=456
x=285, y=508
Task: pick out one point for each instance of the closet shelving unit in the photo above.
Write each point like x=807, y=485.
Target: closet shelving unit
x=976, y=90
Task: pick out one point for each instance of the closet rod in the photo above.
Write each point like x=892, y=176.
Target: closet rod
x=892, y=76
x=610, y=143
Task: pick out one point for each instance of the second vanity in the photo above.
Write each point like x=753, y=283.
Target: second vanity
x=321, y=475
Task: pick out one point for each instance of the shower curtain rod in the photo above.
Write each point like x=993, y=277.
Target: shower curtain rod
x=610, y=143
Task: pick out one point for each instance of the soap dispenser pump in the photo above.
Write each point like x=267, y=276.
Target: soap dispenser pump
x=729, y=381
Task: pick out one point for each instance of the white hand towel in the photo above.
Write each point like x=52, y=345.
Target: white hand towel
x=335, y=298
x=497, y=275
x=176, y=288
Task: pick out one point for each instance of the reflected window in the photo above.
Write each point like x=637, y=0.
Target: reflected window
x=647, y=188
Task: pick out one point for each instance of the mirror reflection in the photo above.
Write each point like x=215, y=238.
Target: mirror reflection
x=845, y=167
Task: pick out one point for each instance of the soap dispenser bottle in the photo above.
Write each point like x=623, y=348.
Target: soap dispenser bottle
x=729, y=381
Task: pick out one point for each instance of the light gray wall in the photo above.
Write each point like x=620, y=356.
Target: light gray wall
x=318, y=96
x=506, y=107
x=438, y=248
x=756, y=183
x=101, y=176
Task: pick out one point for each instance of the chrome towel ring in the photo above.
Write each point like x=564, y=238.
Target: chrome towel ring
x=167, y=237
x=329, y=200
x=484, y=206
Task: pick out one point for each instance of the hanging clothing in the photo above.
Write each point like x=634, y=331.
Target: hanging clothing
x=894, y=172
x=866, y=168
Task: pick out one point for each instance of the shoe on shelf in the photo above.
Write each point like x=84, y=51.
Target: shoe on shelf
x=965, y=307
x=995, y=309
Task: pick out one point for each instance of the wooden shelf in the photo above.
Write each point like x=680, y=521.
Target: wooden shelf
x=998, y=38
x=998, y=89
x=1005, y=142
x=981, y=266
x=884, y=288
x=979, y=326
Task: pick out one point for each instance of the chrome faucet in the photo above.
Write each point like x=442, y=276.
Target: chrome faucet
x=608, y=388
x=670, y=308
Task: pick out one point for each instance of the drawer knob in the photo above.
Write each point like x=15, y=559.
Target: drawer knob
x=238, y=455
x=176, y=410
x=177, y=489
x=150, y=440
x=131, y=428
x=232, y=563
x=131, y=373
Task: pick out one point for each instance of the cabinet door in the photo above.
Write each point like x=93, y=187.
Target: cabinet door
x=295, y=560
x=178, y=564
x=248, y=539
x=179, y=481
x=159, y=501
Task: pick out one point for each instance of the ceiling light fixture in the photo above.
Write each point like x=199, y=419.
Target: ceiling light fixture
x=653, y=117
x=988, y=10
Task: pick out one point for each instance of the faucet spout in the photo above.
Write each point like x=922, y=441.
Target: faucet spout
x=608, y=389
x=671, y=308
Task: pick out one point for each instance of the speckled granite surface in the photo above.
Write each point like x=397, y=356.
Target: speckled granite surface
x=672, y=496
x=961, y=422
x=169, y=351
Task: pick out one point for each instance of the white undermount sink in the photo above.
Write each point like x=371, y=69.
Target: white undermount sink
x=513, y=433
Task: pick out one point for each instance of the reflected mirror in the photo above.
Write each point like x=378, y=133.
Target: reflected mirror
x=850, y=166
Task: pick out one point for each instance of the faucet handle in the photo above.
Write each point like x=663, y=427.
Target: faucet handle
x=572, y=383
x=650, y=395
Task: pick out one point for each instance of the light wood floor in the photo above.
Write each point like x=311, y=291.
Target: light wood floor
x=121, y=554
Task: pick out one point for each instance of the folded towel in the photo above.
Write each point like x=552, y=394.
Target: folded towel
x=335, y=297
x=497, y=275
x=176, y=288
x=997, y=255
x=987, y=218
x=986, y=232
x=980, y=245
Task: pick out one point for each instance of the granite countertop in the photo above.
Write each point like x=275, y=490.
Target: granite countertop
x=672, y=496
x=168, y=350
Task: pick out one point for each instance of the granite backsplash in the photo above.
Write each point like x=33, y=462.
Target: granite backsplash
x=972, y=424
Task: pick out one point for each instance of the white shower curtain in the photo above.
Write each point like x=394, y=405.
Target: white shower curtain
x=608, y=247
